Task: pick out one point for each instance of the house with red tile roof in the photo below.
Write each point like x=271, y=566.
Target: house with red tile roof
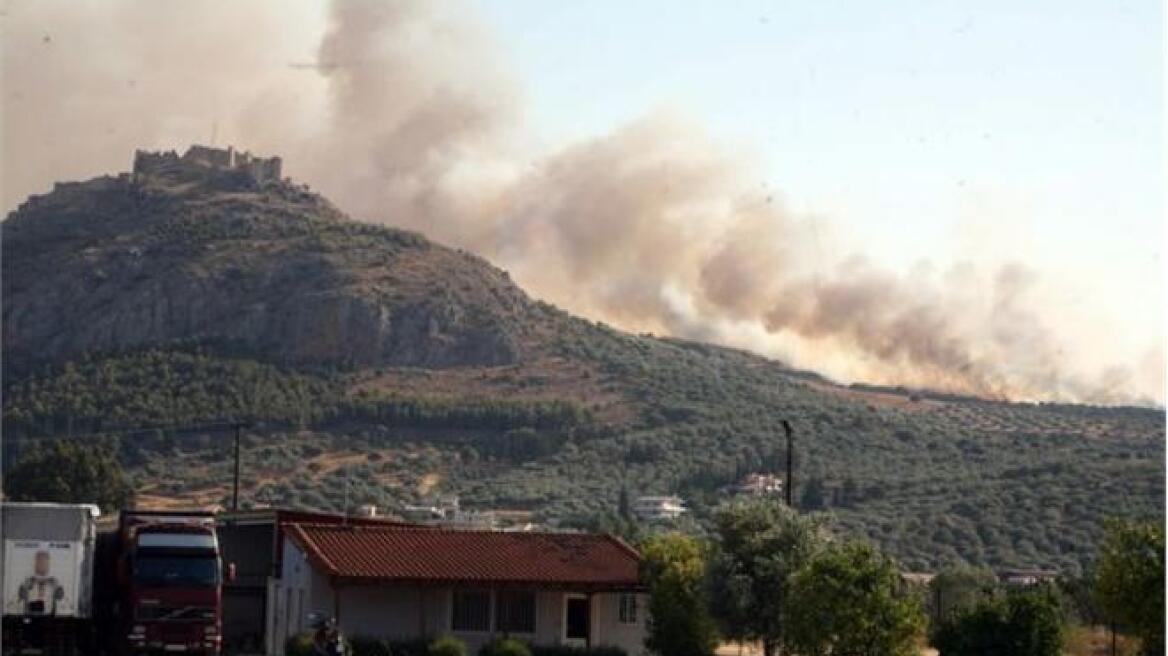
x=252, y=540
x=404, y=582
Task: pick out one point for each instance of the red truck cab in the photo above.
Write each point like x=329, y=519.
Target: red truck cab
x=170, y=577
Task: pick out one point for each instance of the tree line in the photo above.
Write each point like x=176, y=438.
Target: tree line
x=773, y=576
x=770, y=576
x=165, y=387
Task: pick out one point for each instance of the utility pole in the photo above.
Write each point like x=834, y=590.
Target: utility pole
x=345, y=511
x=238, y=426
x=790, y=483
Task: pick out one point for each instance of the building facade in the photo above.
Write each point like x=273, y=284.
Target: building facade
x=253, y=541
x=408, y=583
x=657, y=508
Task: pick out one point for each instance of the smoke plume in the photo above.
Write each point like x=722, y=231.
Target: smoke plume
x=406, y=113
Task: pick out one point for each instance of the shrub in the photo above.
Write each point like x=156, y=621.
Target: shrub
x=1025, y=623
x=408, y=648
x=298, y=645
x=369, y=646
x=447, y=646
x=505, y=647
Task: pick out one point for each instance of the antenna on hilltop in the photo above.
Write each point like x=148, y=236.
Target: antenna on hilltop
x=214, y=131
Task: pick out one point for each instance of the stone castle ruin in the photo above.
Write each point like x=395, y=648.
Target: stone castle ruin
x=259, y=170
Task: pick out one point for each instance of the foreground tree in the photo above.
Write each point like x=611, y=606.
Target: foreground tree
x=1129, y=581
x=68, y=471
x=674, y=566
x=849, y=600
x=955, y=588
x=1024, y=623
x=760, y=546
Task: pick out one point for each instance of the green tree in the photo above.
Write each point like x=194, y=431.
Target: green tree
x=960, y=587
x=67, y=471
x=1129, y=581
x=760, y=545
x=1036, y=621
x=674, y=566
x=1025, y=623
x=814, y=494
x=851, y=601
x=849, y=493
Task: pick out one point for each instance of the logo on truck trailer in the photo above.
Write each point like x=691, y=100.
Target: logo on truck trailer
x=37, y=578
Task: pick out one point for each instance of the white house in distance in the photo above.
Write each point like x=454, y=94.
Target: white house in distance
x=402, y=582
x=760, y=485
x=650, y=508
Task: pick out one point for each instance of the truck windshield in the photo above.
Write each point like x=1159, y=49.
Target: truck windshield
x=176, y=570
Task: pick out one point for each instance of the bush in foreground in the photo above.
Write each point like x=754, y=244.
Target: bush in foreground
x=298, y=645
x=1024, y=623
x=447, y=646
x=851, y=601
x=505, y=647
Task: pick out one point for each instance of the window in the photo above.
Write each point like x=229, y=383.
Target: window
x=628, y=609
x=515, y=612
x=177, y=571
x=471, y=611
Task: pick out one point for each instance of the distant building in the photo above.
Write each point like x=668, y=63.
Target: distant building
x=261, y=170
x=437, y=510
x=367, y=510
x=760, y=485
x=655, y=508
x=1026, y=577
x=918, y=578
x=470, y=519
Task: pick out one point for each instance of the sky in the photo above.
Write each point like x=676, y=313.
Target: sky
x=922, y=130
x=928, y=139
x=917, y=126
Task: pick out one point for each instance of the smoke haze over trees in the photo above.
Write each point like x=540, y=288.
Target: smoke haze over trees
x=407, y=113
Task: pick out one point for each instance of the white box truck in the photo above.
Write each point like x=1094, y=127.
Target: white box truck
x=48, y=553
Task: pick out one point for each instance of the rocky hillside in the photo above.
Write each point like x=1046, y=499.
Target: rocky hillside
x=111, y=264
x=373, y=360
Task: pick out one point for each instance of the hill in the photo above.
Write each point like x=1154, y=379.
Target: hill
x=188, y=294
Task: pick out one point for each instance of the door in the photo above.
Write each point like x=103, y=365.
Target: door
x=577, y=620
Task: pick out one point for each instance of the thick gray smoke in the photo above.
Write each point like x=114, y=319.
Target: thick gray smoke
x=405, y=113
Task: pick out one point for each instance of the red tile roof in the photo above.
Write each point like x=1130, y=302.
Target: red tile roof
x=429, y=555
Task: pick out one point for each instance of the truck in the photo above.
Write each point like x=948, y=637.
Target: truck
x=167, y=588
x=152, y=584
x=48, y=553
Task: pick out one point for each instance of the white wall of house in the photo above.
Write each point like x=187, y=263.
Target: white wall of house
x=300, y=593
x=408, y=612
x=396, y=613
x=609, y=630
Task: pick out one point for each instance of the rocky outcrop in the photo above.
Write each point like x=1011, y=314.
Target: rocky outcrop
x=117, y=263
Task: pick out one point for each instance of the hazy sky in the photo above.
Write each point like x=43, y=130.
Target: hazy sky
x=924, y=135
x=922, y=128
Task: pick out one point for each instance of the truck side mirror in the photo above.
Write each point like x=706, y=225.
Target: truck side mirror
x=229, y=574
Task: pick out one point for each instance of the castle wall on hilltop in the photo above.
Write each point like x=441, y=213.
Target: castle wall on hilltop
x=261, y=170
